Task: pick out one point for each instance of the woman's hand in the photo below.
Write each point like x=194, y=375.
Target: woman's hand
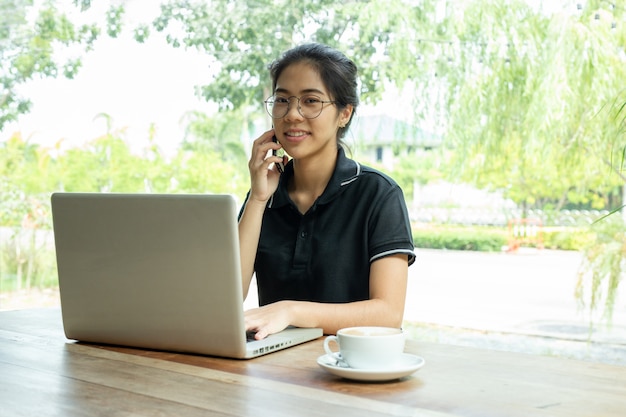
x=269, y=319
x=263, y=180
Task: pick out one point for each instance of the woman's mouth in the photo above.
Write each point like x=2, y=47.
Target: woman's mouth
x=296, y=135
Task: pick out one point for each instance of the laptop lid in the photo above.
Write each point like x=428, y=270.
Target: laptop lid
x=157, y=271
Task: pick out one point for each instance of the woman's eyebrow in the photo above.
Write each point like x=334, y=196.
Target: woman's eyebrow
x=306, y=91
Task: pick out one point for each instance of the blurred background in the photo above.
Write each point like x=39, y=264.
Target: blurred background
x=503, y=121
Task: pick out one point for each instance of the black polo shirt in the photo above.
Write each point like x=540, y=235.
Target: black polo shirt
x=325, y=254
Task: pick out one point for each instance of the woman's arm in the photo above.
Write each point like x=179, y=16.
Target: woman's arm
x=388, y=283
x=263, y=183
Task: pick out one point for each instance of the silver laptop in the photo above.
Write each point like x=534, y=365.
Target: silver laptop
x=156, y=271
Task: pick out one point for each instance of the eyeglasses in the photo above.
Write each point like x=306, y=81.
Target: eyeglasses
x=309, y=107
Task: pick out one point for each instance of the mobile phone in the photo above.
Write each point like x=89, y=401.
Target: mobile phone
x=279, y=165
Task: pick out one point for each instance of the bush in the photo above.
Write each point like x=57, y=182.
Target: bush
x=567, y=238
x=604, y=267
x=493, y=239
x=27, y=260
x=461, y=238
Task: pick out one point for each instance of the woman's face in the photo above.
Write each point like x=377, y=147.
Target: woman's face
x=301, y=137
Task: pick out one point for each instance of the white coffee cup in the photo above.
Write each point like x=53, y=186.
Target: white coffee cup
x=374, y=348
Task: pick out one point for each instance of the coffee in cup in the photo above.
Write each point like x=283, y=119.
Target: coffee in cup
x=373, y=348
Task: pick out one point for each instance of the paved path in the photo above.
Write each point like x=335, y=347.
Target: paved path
x=521, y=302
x=530, y=292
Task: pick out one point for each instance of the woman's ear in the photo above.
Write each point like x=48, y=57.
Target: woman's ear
x=345, y=114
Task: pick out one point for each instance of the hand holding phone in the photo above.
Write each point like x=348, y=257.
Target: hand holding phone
x=279, y=165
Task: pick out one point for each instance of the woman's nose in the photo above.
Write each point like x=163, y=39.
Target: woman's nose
x=293, y=112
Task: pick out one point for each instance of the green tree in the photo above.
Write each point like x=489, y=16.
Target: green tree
x=158, y=172
x=221, y=133
x=532, y=111
x=418, y=168
x=603, y=269
x=244, y=37
x=25, y=174
x=204, y=171
x=527, y=99
x=28, y=47
x=107, y=164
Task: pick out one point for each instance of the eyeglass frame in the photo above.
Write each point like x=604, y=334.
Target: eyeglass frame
x=270, y=100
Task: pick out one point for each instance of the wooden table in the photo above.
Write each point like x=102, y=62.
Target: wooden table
x=44, y=374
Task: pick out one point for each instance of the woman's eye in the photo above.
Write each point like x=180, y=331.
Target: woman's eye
x=281, y=100
x=311, y=100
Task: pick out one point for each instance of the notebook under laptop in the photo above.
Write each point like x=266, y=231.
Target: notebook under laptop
x=155, y=271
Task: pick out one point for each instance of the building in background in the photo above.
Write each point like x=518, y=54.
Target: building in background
x=383, y=139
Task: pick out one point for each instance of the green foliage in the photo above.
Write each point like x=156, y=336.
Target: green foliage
x=26, y=260
x=617, y=112
x=114, y=20
x=569, y=238
x=206, y=172
x=220, y=133
x=461, y=238
x=24, y=210
x=416, y=168
x=514, y=86
x=244, y=37
x=493, y=239
x=604, y=267
x=528, y=102
x=28, y=46
x=536, y=93
x=141, y=33
x=29, y=173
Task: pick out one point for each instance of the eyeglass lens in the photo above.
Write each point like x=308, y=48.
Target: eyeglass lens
x=309, y=107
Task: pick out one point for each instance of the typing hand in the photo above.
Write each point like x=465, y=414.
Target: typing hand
x=268, y=319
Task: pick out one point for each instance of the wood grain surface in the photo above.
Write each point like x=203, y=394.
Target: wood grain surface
x=44, y=374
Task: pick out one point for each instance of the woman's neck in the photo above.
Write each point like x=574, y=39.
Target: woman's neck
x=311, y=176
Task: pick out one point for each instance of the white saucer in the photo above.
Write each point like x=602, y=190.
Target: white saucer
x=410, y=364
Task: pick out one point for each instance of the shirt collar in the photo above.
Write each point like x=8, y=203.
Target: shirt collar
x=346, y=171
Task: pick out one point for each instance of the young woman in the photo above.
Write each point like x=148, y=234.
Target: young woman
x=329, y=239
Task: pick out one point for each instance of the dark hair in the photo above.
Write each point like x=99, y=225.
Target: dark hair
x=338, y=73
